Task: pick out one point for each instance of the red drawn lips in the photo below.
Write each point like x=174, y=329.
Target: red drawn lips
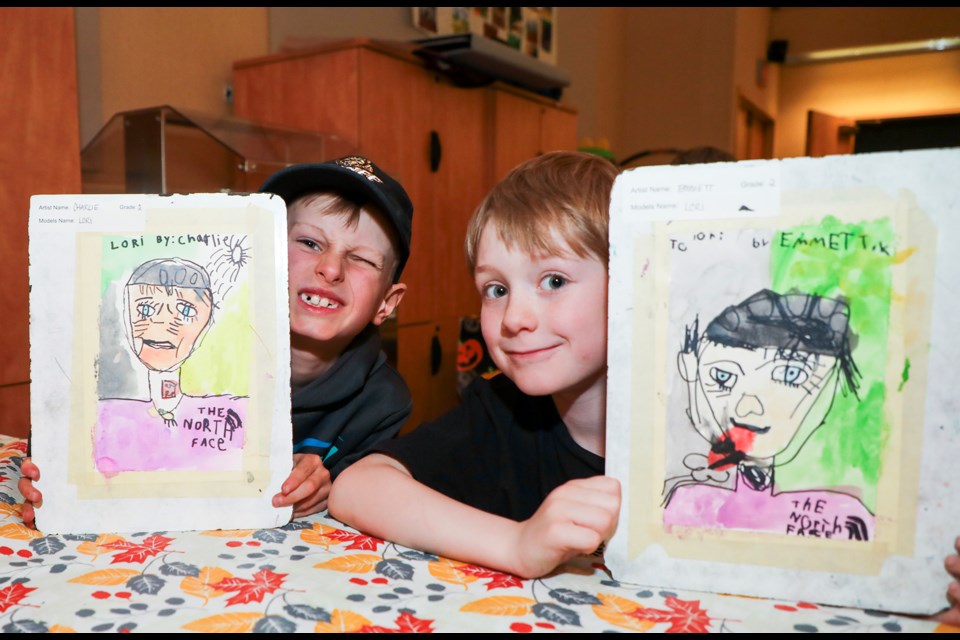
x=153, y=344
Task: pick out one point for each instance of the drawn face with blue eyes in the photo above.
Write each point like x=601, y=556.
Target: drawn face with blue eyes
x=166, y=323
x=764, y=391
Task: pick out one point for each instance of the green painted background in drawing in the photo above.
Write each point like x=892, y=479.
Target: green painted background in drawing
x=846, y=450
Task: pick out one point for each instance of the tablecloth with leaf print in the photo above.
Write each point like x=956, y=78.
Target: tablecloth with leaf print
x=318, y=575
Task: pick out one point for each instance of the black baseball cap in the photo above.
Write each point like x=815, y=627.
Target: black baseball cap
x=356, y=178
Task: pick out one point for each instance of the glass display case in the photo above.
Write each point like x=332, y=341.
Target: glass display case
x=174, y=150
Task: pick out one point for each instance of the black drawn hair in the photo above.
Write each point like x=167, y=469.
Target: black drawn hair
x=796, y=324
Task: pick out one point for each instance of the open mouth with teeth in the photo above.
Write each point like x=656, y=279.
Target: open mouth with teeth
x=153, y=344
x=318, y=301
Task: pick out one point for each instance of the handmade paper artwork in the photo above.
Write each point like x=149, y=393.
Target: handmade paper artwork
x=168, y=307
x=770, y=412
x=174, y=393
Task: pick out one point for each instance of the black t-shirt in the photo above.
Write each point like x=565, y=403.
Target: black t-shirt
x=500, y=450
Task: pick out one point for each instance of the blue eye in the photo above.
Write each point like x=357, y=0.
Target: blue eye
x=724, y=378
x=145, y=310
x=552, y=282
x=307, y=242
x=186, y=310
x=789, y=374
x=493, y=291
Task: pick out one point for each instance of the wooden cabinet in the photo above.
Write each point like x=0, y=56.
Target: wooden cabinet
x=40, y=154
x=447, y=145
x=524, y=128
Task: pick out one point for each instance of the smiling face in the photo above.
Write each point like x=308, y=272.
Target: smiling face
x=166, y=322
x=544, y=317
x=340, y=274
x=761, y=397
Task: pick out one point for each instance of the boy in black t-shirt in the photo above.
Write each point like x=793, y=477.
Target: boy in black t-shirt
x=512, y=479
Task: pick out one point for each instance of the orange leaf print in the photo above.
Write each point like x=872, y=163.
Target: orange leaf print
x=105, y=577
x=319, y=535
x=10, y=509
x=446, y=570
x=200, y=586
x=342, y=622
x=17, y=531
x=500, y=606
x=617, y=610
x=228, y=533
x=59, y=628
x=97, y=547
x=356, y=563
x=224, y=623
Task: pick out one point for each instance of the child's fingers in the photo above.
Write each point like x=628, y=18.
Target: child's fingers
x=29, y=470
x=952, y=564
x=30, y=492
x=26, y=512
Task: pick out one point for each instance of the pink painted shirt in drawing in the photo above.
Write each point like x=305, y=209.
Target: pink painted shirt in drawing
x=822, y=514
x=131, y=436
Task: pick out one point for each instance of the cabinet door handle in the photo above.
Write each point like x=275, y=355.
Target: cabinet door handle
x=436, y=151
x=436, y=355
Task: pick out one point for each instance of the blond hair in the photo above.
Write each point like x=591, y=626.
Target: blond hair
x=567, y=192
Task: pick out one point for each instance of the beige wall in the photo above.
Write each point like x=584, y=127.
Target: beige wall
x=906, y=85
x=677, y=82
x=816, y=28
x=642, y=77
x=885, y=87
x=163, y=55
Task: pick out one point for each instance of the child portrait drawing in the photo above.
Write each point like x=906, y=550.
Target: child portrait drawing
x=168, y=307
x=761, y=378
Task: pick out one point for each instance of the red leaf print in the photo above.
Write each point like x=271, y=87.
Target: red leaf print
x=356, y=540
x=504, y=581
x=13, y=594
x=685, y=616
x=406, y=623
x=499, y=580
x=19, y=445
x=253, y=590
x=133, y=552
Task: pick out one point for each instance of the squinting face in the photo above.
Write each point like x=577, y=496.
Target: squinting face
x=166, y=323
x=544, y=318
x=340, y=275
x=761, y=397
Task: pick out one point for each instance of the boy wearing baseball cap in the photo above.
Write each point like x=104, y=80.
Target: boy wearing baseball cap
x=348, y=239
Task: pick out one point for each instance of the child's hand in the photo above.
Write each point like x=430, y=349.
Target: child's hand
x=575, y=519
x=31, y=495
x=307, y=488
x=951, y=616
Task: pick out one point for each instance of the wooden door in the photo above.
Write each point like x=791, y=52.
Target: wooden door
x=395, y=108
x=40, y=155
x=829, y=135
x=516, y=131
x=460, y=183
x=558, y=129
